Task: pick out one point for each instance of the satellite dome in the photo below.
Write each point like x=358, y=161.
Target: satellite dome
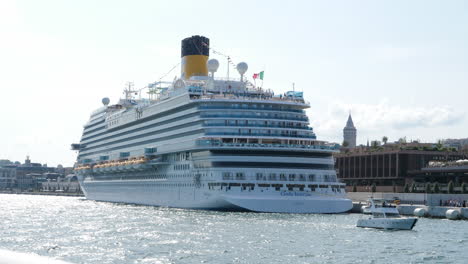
x=179, y=83
x=212, y=65
x=105, y=101
x=242, y=67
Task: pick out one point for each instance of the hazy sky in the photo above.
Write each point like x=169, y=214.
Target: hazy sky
x=401, y=67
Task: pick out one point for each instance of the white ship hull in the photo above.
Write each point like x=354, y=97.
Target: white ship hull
x=207, y=143
x=202, y=198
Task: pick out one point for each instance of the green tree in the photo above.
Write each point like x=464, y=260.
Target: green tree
x=375, y=143
x=406, y=188
x=345, y=144
x=384, y=139
x=394, y=186
x=428, y=187
x=413, y=187
x=354, y=187
x=373, y=187
x=439, y=144
x=450, y=187
x=436, y=188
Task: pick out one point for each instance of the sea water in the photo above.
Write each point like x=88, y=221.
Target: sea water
x=81, y=231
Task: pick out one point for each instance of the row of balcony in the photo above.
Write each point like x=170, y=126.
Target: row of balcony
x=251, y=115
x=217, y=143
x=251, y=125
x=250, y=108
x=257, y=134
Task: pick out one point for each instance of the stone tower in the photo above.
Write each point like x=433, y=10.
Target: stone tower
x=349, y=133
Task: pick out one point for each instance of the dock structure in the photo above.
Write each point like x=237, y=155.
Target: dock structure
x=451, y=206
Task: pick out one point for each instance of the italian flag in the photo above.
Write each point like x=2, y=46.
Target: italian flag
x=258, y=75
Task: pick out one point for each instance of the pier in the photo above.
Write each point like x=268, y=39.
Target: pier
x=428, y=204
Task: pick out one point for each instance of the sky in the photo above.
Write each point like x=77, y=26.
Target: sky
x=399, y=67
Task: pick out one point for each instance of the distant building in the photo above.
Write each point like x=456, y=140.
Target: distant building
x=456, y=143
x=68, y=184
x=349, y=133
x=31, y=176
x=388, y=165
x=7, y=178
x=443, y=172
x=26, y=176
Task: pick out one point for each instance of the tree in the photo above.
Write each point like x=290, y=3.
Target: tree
x=394, y=186
x=428, y=188
x=385, y=139
x=375, y=143
x=345, y=143
x=354, y=187
x=402, y=140
x=413, y=187
x=450, y=187
x=436, y=188
x=406, y=188
x=373, y=187
x=463, y=188
x=439, y=144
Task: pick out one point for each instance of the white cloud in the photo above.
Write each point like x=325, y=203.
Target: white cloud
x=375, y=120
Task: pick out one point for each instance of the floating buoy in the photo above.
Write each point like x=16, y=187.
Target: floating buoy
x=420, y=212
x=452, y=214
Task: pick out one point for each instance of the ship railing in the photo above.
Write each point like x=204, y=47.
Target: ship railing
x=240, y=125
x=215, y=143
x=228, y=96
x=251, y=108
x=287, y=180
x=258, y=134
x=215, y=115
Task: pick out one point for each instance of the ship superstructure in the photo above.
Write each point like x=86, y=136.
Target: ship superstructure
x=209, y=143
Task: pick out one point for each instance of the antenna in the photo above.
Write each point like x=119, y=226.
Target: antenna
x=128, y=91
x=228, y=59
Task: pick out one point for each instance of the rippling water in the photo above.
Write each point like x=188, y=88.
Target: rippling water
x=81, y=231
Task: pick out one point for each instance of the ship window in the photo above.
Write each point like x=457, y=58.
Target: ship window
x=259, y=176
x=282, y=177
x=311, y=177
x=272, y=177
x=292, y=177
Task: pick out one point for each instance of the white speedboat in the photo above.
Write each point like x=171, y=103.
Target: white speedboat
x=384, y=217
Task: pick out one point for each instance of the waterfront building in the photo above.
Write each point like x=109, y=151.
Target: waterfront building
x=7, y=177
x=390, y=166
x=459, y=144
x=349, y=133
x=442, y=172
x=67, y=184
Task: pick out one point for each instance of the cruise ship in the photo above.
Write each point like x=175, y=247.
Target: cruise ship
x=202, y=142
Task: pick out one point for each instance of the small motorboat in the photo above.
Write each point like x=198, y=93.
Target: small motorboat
x=386, y=205
x=386, y=217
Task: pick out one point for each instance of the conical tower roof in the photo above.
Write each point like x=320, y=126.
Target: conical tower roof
x=350, y=123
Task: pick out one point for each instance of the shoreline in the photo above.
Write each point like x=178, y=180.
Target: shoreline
x=43, y=193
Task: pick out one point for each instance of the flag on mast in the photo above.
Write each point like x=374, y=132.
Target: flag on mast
x=258, y=75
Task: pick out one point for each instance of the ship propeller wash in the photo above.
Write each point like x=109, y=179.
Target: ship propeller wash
x=209, y=143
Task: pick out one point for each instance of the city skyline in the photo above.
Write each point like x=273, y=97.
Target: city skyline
x=399, y=67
